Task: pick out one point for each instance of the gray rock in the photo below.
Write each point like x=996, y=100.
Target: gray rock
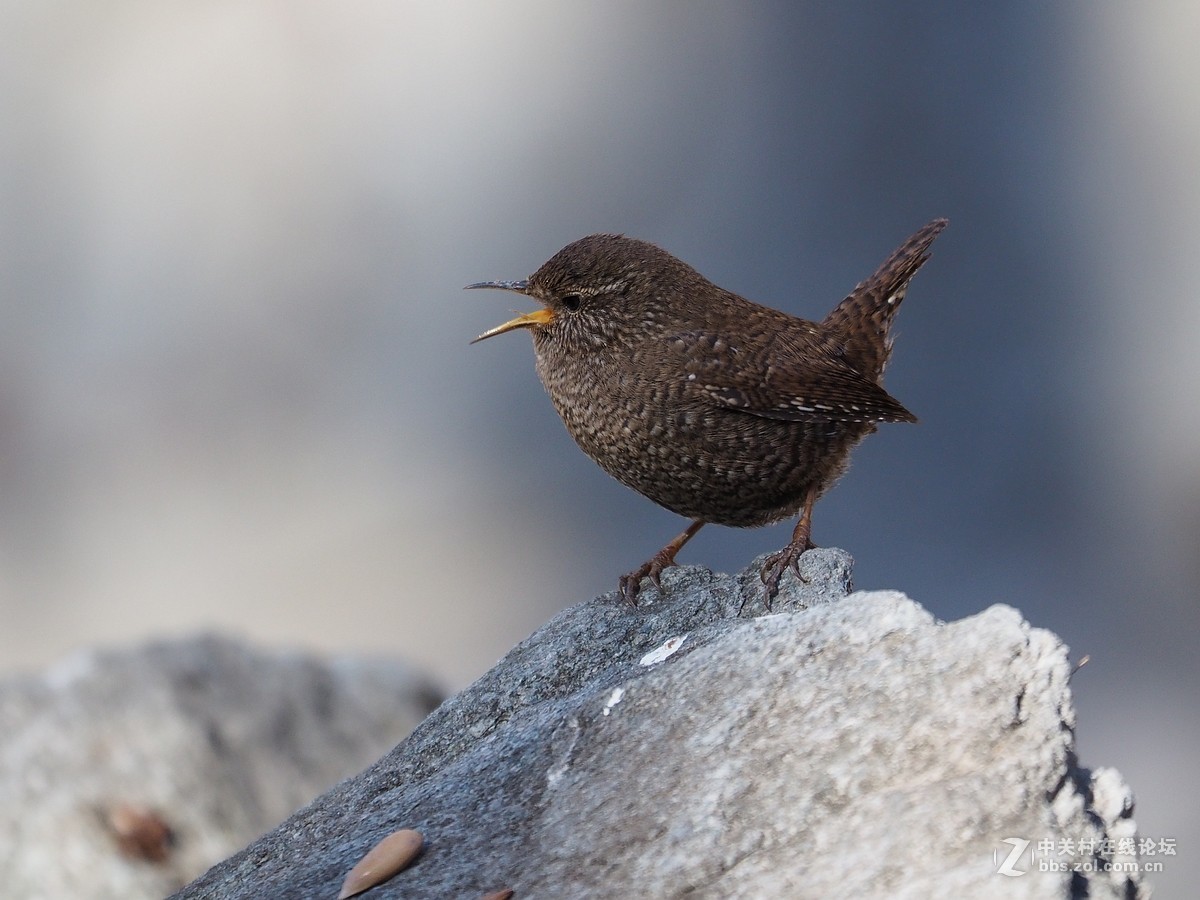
x=188, y=748
x=840, y=746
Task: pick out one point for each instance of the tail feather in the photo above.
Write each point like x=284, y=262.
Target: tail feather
x=861, y=323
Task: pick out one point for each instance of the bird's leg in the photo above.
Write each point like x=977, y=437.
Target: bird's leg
x=777, y=563
x=664, y=558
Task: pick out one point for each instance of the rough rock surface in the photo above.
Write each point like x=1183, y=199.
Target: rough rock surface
x=842, y=746
x=124, y=774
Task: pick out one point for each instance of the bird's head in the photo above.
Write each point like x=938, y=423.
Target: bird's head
x=600, y=290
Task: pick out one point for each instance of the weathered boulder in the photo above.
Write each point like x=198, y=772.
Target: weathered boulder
x=125, y=773
x=843, y=745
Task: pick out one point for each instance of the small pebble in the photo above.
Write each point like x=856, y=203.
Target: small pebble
x=141, y=833
x=385, y=859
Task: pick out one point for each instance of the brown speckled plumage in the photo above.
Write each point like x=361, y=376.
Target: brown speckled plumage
x=714, y=407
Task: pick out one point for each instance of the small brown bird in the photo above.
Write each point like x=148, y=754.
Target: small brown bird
x=717, y=408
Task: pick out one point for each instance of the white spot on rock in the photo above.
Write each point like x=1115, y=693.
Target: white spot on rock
x=658, y=654
x=613, y=699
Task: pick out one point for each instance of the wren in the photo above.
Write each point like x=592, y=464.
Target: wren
x=717, y=408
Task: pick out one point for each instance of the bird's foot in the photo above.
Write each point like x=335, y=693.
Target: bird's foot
x=631, y=583
x=778, y=563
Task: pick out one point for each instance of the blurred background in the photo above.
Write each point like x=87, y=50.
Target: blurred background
x=236, y=390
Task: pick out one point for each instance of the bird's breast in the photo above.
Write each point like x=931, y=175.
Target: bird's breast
x=653, y=430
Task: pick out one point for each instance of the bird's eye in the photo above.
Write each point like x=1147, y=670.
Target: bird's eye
x=572, y=301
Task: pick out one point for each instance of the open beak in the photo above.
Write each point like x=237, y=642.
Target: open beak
x=539, y=317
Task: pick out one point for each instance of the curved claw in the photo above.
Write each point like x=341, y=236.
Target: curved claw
x=801, y=542
x=630, y=584
x=772, y=572
x=778, y=563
